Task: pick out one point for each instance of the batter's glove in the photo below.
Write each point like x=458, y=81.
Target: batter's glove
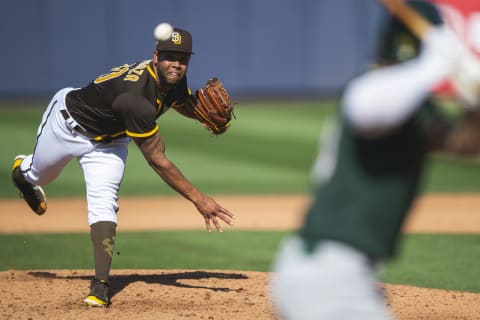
x=213, y=107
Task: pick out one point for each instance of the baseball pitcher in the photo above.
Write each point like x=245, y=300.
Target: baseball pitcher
x=94, y=124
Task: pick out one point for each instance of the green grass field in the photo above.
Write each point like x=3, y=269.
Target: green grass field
x=431, y=261
x=269, y=150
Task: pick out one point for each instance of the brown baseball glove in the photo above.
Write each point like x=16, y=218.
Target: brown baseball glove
x=213, y=107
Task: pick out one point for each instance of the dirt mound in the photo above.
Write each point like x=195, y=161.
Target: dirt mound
x=138, y=294
x=191, y=294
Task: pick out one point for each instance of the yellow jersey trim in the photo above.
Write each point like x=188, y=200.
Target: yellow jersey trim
x=159, y=106
x=142, y=135
x=158, y=101
x=152, y=73
x=103, y=136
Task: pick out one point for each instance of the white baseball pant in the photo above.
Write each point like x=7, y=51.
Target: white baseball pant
x=335, y=282
x=102, y=164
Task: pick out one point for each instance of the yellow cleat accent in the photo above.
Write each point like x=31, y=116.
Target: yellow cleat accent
x=93, y=301
x=16, y=163
x=32, y=194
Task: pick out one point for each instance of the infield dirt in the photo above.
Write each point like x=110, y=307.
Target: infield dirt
x=207, y=294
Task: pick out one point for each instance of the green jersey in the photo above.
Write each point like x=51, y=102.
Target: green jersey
x=372, y=184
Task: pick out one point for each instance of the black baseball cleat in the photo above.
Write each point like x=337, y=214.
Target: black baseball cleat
x=98, y=296
x=33, y=195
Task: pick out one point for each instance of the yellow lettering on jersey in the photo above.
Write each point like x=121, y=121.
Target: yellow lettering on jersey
x=133, y=75
x=114, y=72
x=143, y=64
x=136, y=71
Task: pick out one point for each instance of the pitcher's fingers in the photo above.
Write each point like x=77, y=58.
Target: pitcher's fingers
x=227, y=219
x=217, y=225
x=207, y=224
x=228, y=213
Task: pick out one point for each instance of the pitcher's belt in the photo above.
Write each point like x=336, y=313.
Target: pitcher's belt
x=92, y=136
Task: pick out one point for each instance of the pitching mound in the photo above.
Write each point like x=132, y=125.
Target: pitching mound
x=152, y=294
x=190, y=294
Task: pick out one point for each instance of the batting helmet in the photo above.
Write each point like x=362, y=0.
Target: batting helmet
x=398, y=44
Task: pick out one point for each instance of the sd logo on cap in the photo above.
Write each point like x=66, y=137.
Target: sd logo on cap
x=179, y=41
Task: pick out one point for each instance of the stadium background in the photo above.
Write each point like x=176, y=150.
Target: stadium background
x=267, y=48
x=285, y=62
x=256, y=47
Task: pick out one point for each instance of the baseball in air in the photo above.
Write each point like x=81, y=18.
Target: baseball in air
x=163, y=31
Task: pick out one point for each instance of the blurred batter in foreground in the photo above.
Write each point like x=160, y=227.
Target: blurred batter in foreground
x=369, y=173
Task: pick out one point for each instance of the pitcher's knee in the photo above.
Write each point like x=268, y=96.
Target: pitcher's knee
x=102, y=210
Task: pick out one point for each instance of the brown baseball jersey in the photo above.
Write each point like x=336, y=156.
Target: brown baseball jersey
x=125, y=101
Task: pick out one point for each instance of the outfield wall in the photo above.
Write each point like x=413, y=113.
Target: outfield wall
x=257, y=47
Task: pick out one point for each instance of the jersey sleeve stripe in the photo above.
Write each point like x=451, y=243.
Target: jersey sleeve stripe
x=142, y=135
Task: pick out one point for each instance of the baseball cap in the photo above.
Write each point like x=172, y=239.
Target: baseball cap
x=179, y=41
